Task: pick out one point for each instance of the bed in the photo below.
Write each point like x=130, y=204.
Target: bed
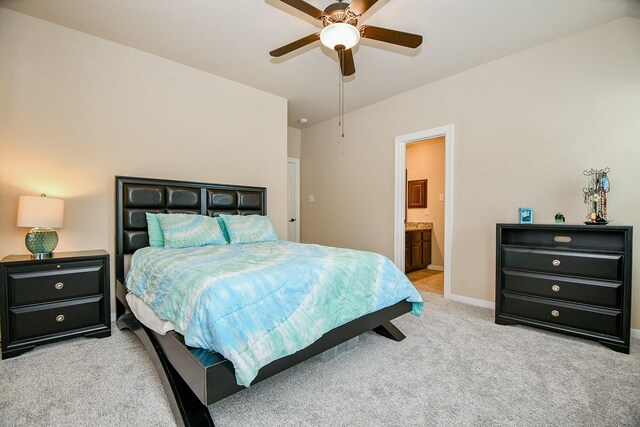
x=196, y=377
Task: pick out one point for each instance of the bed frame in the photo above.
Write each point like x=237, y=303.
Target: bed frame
x=194, y=378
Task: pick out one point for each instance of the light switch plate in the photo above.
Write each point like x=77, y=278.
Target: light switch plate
x=441, y=197
x=312, y=198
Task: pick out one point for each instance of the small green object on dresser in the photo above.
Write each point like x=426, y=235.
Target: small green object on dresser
x=559, y=218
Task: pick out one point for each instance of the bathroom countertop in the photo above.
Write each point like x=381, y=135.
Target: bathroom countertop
x=414, y=226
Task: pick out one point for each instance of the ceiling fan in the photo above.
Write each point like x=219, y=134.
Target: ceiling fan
x=341, y=33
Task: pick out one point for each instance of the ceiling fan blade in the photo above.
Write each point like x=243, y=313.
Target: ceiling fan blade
x=361, y=6
x=305, y=7
x=391, y=36
x=295, y=45
x=347, y=65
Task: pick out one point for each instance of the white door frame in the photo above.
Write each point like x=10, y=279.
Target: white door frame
x=296, y=178
x=401, y=196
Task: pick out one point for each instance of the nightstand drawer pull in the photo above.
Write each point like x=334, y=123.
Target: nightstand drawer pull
x=60, y=318
x=555, y=313
x=555, y=288
x=59, y=285
x=556, y=262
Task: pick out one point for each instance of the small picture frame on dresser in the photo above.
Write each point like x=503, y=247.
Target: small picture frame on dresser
x=525, y=216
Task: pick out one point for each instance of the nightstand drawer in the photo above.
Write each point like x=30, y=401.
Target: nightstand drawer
x=38, y=321
x=594, y=292
x=600, y=266
x=566, y=314
x=32, y=287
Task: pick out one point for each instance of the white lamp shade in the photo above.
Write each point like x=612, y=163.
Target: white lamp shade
x=40, y=211
x=340, y=33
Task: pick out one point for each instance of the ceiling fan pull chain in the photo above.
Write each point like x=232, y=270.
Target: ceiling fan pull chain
x=342, y=102
x=339, y=97
x=341, y=92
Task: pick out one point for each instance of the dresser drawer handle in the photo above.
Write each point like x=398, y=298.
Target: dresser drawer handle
x=555, y=313
x=59, y=285
x=556, y=262
x=562, y=239
x=555, y=288
x=60, y=318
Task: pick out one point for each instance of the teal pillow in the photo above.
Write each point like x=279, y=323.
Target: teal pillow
x=186, y=230
x=156, y=238
x=249, y=229
x=225, y=233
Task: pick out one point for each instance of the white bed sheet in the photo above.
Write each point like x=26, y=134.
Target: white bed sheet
x=147, y=317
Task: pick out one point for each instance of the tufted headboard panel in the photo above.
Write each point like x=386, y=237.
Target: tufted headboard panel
x=137, y=196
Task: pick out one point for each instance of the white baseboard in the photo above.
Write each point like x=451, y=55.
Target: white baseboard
x=113, y=317
x=471, y=301
x=435, y=267
x=635, y=333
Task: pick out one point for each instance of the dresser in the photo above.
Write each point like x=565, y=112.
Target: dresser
x=574, y=279
x=51, y=299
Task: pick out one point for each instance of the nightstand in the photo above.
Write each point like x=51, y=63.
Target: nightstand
x=47, y=300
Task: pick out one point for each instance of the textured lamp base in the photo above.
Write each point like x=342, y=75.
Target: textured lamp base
x=41, y=241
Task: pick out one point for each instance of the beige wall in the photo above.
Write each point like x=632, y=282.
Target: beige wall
x=425, y=160
x=293, y=142
x=75, y=110
x=526, y=126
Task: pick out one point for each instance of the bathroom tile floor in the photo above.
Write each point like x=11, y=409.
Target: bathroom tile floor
x=428, y=280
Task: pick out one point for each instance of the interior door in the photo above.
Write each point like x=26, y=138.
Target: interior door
x=293, y=199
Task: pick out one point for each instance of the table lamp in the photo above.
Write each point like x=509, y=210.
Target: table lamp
x=43, y=214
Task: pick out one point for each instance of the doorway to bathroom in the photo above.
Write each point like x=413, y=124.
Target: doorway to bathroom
x=423, y=220
x=424, y=227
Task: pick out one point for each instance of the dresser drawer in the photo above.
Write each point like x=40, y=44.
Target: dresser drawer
x=37, y=321
x=32, y=287
x=597, y=320
x=556, y=236
x=594, y=292
x=596, y=265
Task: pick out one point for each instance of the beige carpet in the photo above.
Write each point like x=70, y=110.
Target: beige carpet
x=455, y=368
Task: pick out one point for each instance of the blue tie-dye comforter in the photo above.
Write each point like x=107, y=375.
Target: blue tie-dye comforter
x=255, y=303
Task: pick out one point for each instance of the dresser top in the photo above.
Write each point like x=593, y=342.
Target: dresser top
x=56, y=256
x=566, y=226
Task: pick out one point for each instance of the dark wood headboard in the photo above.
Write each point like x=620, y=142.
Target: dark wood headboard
x=137, y=196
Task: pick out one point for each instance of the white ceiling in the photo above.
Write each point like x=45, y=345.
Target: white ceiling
x=232, y=39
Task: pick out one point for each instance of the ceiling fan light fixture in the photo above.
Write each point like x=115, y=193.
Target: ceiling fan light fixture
x=340, y=34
